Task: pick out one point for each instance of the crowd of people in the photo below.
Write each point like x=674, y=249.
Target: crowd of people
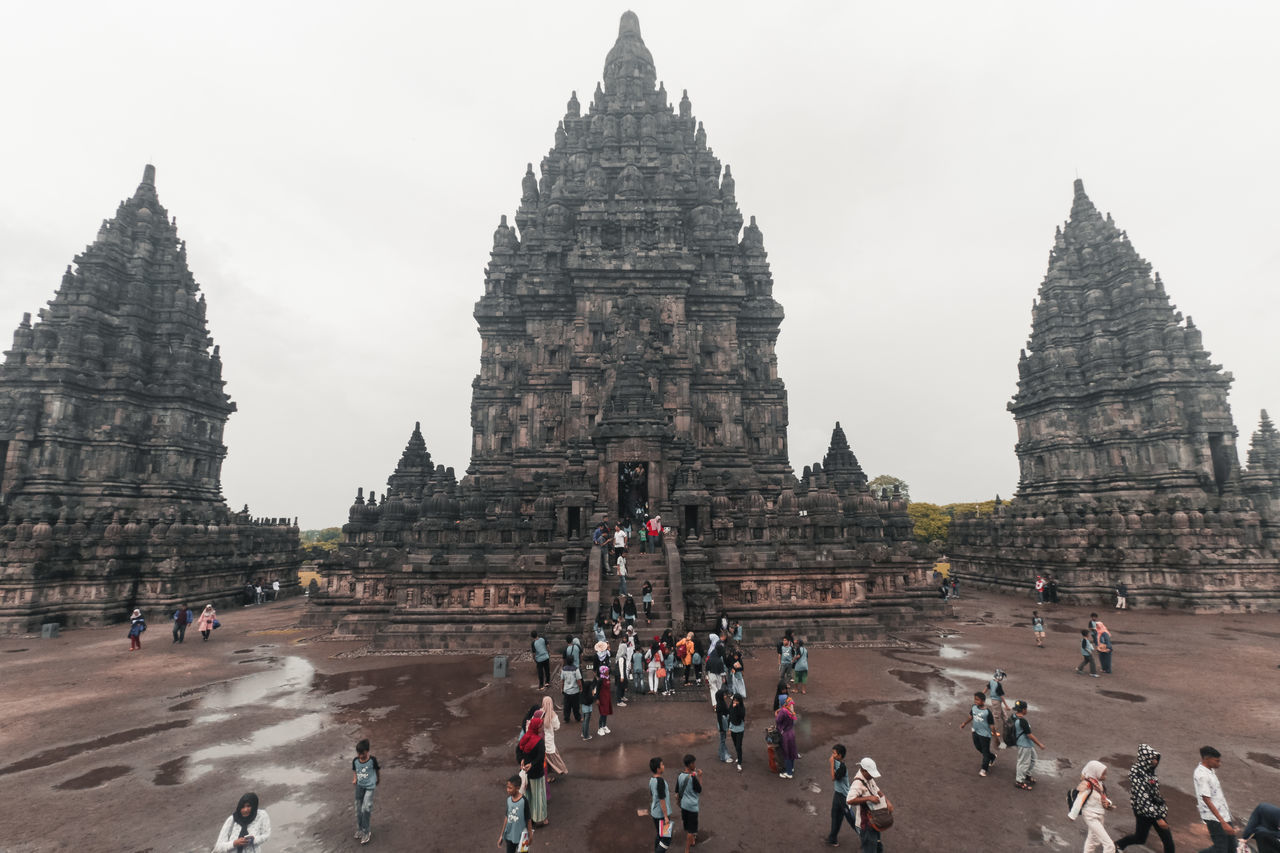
x=255, y=592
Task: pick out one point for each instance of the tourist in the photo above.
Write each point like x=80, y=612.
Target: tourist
x=654, y=531
x=689, y=790
x=246, y=830
x=785, y=656
x=1104, y=647
x=136, y=626
x=653, y=663
x=541, y=659
x=572, y=651
x=1026, y=742
x=1122, y=596
x=684, y=652
x=715, y=665
x=1263, y=827
x=800, y=664
x=599, y=540
x=619, y=539
x=723, y=624
x=944, y=590
x=1039, y=589
x=257, y=591
x=601, y=649
x=785, y=720
x=1093, y=627
x=275, y=590
x=1149, y=808
x=365, y=775
x=638, y=674
x=736, y=628
x=865, y=795
x=208, y=621
x=182, y=617
x=629, y=613
x=668, y=664
x=1086, y=655
x=737, y=724
x=981, y=719
x=517, y=827
x=737, y=677
x=659, y=805
x=996, y=702
x=781, y=694
x=1091, y=801
x=839, y=795
x=622, y=668
x=586, y=699
x=531, y=754
x=721, y=704
x=604, y=700
x=622, y=573
x=696, y=660
x=571, y=686
x=955, y=587
x=615, y=611
x=646, y=598
x=1037, y=626
x=550, y=725
x=1210, y=801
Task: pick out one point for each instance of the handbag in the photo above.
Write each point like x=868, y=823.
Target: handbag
x=665, y=827
x=217, y=624
x=772, y=735
x=662, y=672
x=523, y=847
x=880, y=819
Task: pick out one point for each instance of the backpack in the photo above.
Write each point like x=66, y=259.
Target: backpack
x=1010, y=733
x=1071, y=797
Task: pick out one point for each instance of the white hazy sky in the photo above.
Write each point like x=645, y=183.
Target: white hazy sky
x=337, y=170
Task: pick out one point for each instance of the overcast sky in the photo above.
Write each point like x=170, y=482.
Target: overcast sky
x=337, y=171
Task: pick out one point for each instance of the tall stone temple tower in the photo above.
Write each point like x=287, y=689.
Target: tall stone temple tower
x=1126, y=446
x=627, y=369
x=111, y=416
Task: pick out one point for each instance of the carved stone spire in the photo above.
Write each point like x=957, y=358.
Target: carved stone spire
x=629, y=65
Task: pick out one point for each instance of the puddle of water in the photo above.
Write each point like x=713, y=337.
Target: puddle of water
x=951, y=653
x=1064, y=764
x=1045, y=836
x=94, y=778
x=15, y=651
x=62, y=753
x=1047, y=767
x=170, y=773
x=217, y=717
x=286, y=686
x=1264, y=758
x=1127, y=697
x=982, y=677
x=271, y=737
x=278, y=774
x=184, y=706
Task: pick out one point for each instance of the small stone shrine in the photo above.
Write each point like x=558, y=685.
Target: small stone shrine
x=627, y=369
x=111, y=417
x=1126, y=446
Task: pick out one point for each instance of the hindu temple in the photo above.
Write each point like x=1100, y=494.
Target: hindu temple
x=1126, y=446
x=627, y=370
x=112, y=411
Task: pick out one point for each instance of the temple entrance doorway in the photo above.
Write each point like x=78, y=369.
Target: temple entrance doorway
x=633, y=492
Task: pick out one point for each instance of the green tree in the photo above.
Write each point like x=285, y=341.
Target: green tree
x=888, y=481
x=931, y=521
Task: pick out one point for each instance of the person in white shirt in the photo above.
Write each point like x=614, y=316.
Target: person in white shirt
x=275, y=590
x=1211, y=803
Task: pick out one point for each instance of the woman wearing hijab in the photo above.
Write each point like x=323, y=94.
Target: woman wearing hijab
x=531, y=752
x=1092, y=802
x=246, y=830
x=136, y=626
x=550, y=723
x=205, y=623
x=785, y=720
x=1104, y=646
x=604, y=700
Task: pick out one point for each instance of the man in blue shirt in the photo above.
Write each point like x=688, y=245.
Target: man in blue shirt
x=840, y=781
x=541, y=659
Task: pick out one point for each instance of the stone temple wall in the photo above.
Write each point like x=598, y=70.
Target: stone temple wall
x=112, y=411
x=1126, y=446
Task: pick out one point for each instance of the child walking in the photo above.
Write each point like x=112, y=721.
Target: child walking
x=517, y=827
x=1037, y=626
x=364, y=775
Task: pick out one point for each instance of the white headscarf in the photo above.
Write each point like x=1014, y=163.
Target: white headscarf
x=1093, y=770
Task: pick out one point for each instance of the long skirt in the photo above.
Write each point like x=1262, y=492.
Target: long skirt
x=538, y=800
x=556, y=762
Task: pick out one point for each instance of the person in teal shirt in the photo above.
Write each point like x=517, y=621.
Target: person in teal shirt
x=517, y=822
x=659, y=804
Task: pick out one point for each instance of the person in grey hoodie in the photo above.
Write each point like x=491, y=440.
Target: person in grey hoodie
x=1149, y=807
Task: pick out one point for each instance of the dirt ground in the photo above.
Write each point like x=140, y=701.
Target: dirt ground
x=110, y=750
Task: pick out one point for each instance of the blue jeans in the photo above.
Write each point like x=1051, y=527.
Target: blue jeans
x=622, y=584
x=364, y=808
x=724, y=730
x=586, y=721
x=870, y=839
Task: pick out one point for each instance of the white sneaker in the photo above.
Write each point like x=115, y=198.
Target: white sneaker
x=601, y=732
x=1004, y=746
x=982, y=773
x=608, y=730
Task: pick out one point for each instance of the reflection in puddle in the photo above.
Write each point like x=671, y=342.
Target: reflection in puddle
x=270, y=737
x=292, y=679
x=951, y=652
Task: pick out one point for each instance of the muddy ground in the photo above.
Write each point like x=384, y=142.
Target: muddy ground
x=110, y=750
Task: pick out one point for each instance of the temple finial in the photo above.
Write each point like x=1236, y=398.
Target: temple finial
x=149, y=175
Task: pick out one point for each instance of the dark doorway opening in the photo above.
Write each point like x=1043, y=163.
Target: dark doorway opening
x=1221, y=456
x=575, y=521
x=690, y=521
x=4, y=468
x=633, y=492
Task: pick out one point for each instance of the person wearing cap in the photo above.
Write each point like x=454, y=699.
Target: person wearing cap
x=864, y=795
x=1040, y=589
x=1026, y=743
x=996, y=702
